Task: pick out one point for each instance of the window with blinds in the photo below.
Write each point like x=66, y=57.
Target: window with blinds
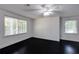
x=14, y=26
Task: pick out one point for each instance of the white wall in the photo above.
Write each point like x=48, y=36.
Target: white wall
x=71, y=37
x=47, y=28
x=5, y=41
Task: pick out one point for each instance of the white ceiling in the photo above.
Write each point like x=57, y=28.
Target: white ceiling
x=34, y=10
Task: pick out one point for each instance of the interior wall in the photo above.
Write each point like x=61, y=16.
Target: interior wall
x=8, y=40
x=70, y=37
x=47, y=28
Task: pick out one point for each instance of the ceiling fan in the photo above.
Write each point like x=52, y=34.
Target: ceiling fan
x=46, y=9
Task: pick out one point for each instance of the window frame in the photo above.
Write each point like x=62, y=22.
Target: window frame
x=76, y=27
x=17, y=19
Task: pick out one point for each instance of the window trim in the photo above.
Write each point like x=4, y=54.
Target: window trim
x=76, y=26
x=17, y=19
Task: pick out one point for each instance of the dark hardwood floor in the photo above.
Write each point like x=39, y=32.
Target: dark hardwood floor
x=32, y=46
x=42, y=46
x=69, y=47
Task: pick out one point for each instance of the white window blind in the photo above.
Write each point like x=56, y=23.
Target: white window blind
x=71, y=26
x=14, y=26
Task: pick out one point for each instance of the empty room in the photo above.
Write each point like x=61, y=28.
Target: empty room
x=39, y=28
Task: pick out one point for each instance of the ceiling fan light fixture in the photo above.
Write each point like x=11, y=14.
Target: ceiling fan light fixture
x=47, y=13
x=50, y=10
x=44, y=10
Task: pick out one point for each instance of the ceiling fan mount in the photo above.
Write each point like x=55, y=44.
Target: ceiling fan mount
x=27, y=5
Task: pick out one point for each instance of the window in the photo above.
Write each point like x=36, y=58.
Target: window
x=71, y=26
x=14, y=26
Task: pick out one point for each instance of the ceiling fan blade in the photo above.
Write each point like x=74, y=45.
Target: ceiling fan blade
x=32, y=9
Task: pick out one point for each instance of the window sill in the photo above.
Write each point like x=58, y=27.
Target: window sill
x=15, y=34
